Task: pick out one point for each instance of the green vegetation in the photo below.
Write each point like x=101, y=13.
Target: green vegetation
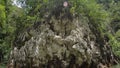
x=104, y=15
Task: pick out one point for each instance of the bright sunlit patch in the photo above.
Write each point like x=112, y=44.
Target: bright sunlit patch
x=37, y=50
x=16, y=3
x=15, y=48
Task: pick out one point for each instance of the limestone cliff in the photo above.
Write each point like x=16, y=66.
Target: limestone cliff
x=61, y=42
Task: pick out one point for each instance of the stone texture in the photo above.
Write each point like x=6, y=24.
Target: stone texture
x=61, y=43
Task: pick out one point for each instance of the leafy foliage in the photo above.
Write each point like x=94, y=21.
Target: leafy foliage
x=112, y=7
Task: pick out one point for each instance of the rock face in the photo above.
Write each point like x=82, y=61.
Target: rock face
x=61, y=43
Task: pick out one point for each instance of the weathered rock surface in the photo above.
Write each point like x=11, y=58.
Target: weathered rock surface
x=61, y=43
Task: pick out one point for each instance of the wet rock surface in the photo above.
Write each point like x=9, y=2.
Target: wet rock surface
x=61, y=43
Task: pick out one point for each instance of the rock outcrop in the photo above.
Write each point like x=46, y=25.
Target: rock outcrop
x=61, y=43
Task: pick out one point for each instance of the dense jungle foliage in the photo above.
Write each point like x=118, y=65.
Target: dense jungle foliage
x=17, y=15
